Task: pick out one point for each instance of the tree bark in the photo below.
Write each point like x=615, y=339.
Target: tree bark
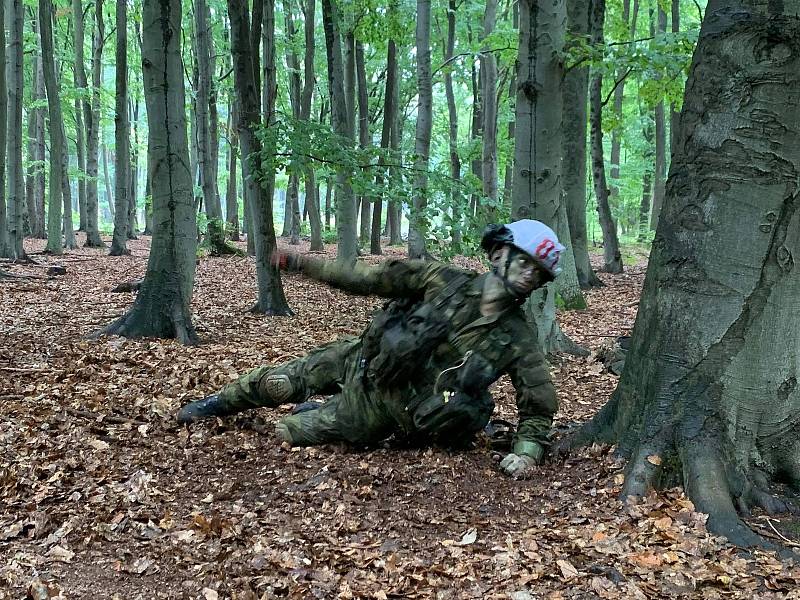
x=91, y=119
x=161, y=308
x=312, y=191
x=537, y=156
x=347, y=249
x=576, y=90
x=80, y=151
x=232, y=193
x=612, y=257
x=244, y=47
x=709, y=393
x=292, y=205
x=659, y=173
x=107, y=181
x=674, y=114
x=5, y=250
x=39, y=149
x=418, y=220
x=205, y=144
x=16, y=184
x=457, y=211
x=647, y=179
x=122, y=137
x=133, y=187
x=59, y=182
x=489, y=146
x=616, y=133
x=363, y=137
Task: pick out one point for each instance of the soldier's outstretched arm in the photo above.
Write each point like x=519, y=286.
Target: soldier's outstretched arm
x=391, y=278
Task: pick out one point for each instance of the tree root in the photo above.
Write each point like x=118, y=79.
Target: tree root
x=128, y=286
x=146, y=321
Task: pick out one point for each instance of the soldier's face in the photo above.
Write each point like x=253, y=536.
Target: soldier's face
x=521, y=271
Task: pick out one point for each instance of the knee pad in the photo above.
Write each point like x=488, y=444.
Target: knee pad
x=278, y=387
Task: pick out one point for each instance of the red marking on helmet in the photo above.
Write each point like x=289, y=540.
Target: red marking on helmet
x=545, y=248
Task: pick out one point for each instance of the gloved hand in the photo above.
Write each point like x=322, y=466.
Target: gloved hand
x=518, y=466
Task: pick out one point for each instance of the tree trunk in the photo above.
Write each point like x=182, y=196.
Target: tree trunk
x=80, y=151
x=244, y=47
x=659, y=174
x=30, y=175
x=363, y=137
x=647, y=178
x=107, y=181
x=205, y=152
x=616, y=133
x=389, y=118
x=674, y=114
x=418, y=220
x=312, y=191
x=612, y=257
x=395, y=174
x=452, y=115
x=39, y=149
x=122, y=137
x=16, y=184
x=709, y=396
x=161, y=308
x=91, y=120
x=347, y=249
x=576, y=90
x=60, y=196
x=5, y=250
x=134, y=171
x=489, y=146
x=232, y=194
x=537, y=156
x=292, y=205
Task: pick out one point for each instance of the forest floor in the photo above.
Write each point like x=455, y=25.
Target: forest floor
x=103, y=495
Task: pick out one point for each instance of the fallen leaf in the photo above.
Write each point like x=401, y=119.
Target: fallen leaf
x=654, y=459
x=567, y=570
x=60, y=554
x=210, y=594
x=469, y=537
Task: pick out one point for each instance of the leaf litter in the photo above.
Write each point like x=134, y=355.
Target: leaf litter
x=102, y=495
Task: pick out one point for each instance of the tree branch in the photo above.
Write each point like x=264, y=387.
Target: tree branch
x=616, y=85
x=479, y=53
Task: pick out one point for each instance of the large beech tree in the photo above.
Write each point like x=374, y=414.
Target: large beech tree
x=161, y=308
x=709, y=394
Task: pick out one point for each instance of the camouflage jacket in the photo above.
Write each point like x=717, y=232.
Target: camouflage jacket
x=505, y=339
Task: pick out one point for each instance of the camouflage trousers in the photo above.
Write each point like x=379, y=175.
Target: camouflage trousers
x=356, y=412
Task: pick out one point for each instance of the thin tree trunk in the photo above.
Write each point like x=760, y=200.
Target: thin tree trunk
x=674, y=114
x=58, y=155
x=244, y=47
x=205, y=152
x=508, y=179
x=80, y=150
x=612, y=257
x=647, y=178
x=363, y=137
x=30, y=175
x=708, y=397
x=134, y=171
x=107, y=180
x=91, y=119
x=292, y=204
x=16, y=184
x=389, y=118
x=660, y=172
x=6, y=250
x=489, y=146
x=418, y=220
x=576, y=90
x=161, y=308
x=476, y=129
x=122, y=136
x=39, y=154
x=452, y=115
x=232, y=193
x=312, y=190
x=395, y=173
x=616, y=133
x=347, y=249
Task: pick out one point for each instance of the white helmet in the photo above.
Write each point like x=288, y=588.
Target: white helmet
x=532, y=237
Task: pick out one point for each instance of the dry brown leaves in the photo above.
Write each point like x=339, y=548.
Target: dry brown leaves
x=103, y=496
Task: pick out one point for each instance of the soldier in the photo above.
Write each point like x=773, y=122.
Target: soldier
x=424, y=364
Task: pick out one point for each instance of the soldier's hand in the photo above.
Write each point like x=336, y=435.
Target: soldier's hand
x=518, y=466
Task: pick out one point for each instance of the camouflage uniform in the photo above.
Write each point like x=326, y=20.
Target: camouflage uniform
x=361, y=413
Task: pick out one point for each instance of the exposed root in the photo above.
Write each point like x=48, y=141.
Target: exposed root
x=141, y=321
x=128, y=286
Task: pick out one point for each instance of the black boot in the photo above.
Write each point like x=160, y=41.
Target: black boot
x=210, y=406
